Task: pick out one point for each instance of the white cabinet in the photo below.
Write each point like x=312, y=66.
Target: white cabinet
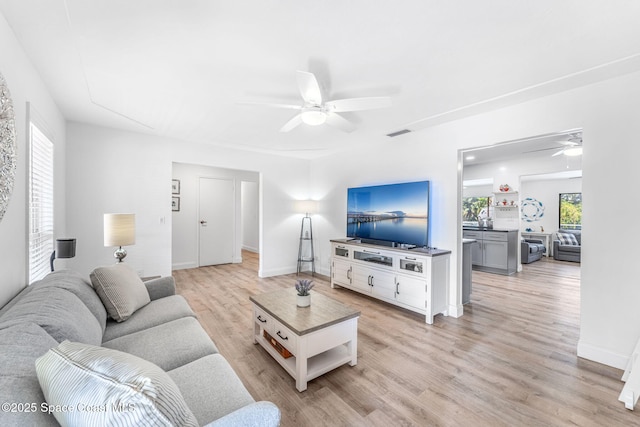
x=414, y=279
x=342, y=272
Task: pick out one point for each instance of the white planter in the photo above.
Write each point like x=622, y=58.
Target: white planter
x=303, y=301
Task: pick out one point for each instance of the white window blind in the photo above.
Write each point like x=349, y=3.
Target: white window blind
x=40, y=204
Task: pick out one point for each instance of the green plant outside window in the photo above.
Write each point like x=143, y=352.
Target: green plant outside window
x=475, y=208
x=571, y=211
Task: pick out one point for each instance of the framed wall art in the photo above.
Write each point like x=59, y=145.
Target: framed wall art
x=175, y=186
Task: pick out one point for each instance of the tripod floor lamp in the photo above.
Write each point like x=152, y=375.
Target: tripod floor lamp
x=305, y=245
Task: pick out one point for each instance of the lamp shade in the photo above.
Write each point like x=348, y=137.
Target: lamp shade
x=119, y=229
x=306, y=206
x=65, y=248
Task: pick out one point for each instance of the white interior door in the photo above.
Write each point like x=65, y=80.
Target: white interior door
x=216, y=222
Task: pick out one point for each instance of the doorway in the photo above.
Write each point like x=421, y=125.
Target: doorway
x=186, y=216
x=216, y=210
x=537, y=168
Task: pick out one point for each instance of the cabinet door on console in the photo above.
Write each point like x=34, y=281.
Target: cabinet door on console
x=341, y=273
x=361, y=278
x=412, y=291
x=383, y=284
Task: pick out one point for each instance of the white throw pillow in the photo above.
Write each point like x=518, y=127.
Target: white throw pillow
x=121, y=290
x=96, y=386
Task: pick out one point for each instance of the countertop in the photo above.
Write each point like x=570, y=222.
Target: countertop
x=422, y=251
x=472, y=228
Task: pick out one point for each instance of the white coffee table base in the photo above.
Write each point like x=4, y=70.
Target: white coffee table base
x=318, y=352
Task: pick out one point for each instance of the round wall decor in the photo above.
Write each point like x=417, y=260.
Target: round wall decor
x=7, y=146
x=532, y=209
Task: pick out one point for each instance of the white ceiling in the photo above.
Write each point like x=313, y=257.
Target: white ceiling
x=181, y=68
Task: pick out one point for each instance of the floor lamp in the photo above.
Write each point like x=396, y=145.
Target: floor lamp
x=306, y=235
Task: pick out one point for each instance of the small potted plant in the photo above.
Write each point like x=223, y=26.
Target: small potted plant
x=303, y=286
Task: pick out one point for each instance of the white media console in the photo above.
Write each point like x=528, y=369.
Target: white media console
x=415, y=279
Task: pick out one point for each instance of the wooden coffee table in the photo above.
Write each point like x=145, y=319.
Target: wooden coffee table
x=317, y=338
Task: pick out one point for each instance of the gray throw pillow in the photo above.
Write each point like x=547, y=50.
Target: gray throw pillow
x=97, y=386
x=121, y=290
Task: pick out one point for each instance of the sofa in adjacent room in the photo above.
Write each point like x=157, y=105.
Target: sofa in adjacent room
x=66, y=343
x=567, y=245
x=531, y=250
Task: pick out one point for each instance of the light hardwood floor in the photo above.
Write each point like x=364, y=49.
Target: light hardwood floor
x=509, y=361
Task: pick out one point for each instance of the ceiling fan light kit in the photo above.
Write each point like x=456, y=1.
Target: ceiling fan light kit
x=314, y=111
x=313, y=116
x=574, y=151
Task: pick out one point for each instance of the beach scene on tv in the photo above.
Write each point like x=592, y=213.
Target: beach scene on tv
x=392, y=213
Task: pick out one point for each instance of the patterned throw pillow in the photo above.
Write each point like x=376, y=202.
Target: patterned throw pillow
x=121, y=290
x=567, y=239
x=85, y=385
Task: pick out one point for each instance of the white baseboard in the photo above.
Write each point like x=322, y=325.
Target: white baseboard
x=455, y=310
x=277, y=271
x=250, y=249
x=601, y=355
x=184, y=265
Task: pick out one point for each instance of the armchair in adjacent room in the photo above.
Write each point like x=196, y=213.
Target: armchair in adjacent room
x=567, y=245
x=531, y=250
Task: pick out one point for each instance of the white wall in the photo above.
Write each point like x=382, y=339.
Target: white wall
x=606, y=111
x=118, y=171
x=26, y=86
x=250, y=218
x=185, y=223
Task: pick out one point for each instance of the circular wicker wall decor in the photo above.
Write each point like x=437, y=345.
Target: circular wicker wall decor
x=7, y=146
x=532, y=209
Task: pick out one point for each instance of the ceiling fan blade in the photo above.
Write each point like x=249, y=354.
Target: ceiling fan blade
x=295, y=121
x=272, y=104
x=339, y=122
x=358, y=104
x=309, y=88
x=569, y=143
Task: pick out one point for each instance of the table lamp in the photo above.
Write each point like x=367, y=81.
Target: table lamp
x=119, y=230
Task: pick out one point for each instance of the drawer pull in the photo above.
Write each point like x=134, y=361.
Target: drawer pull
x=261, y=319
x=371, y=252
x=280, y=335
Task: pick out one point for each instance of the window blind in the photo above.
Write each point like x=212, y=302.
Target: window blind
x=40, y=204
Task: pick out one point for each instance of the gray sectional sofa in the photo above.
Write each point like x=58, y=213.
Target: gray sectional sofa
x=65, y=307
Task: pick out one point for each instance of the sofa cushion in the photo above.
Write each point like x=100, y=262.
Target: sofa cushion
x=185, y=337
x=80, y=287
x=569, y=248
x=121, y=290
x=567, y=239
x=114, y=388
x=20, y=346
x=211, y=388
x=59, y=312
x=153, y=314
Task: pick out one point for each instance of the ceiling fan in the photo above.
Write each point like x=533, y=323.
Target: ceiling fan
x=572, y=146
x=314, y=111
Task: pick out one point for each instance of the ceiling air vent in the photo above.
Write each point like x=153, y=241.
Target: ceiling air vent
x=397, y=133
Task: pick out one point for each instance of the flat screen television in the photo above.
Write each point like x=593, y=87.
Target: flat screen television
x=392, y=214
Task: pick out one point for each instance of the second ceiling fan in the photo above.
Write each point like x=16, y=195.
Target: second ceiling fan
x=315, y=111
